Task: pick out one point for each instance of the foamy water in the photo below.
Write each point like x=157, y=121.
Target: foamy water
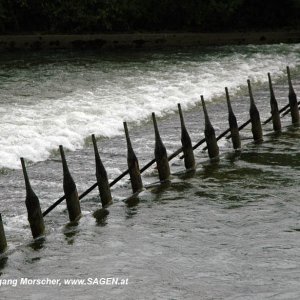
x=59, y=100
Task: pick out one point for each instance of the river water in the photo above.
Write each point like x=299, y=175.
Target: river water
x=228, y=231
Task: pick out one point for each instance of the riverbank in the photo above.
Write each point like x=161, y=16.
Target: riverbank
x=143, y=40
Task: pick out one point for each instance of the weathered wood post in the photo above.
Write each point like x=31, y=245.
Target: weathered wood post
x=35, y=216
x=160, y=153
x=210, y=136
x=189, y=159
x=133, y=164
x=3, y=243
x=234, y=129
x=70, y=190
x=274, y=107
x=102, y=179
x=293, y=100
x=254, y=117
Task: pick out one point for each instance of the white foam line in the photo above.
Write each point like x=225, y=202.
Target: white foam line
x=33, y=128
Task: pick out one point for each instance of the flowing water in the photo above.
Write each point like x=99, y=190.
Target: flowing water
x=228, y=231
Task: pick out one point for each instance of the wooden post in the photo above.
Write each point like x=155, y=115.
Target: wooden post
x=3, y=243
x=189, y=159
x=35, y=216
x=293, y=100
x=133, y=164
x=254, y=117
x=160, y=153
x=274, y=107
x=210, y=136
x=234, y=129
x=102, y=180
x=70, y=190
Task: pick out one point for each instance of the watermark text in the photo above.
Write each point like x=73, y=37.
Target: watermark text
x=23, y=281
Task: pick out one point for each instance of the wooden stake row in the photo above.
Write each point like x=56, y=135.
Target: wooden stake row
x=35, y=215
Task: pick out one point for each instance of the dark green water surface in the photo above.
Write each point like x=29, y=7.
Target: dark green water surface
x=228, y=231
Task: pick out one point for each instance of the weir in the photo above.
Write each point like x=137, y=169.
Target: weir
x=160, y=154
x=254, y=117
x=274, y=107
x=32, y=202
x=35, y=216
x=189, y=159
x=102, y=179
x=133, y=164
x=70, y=190
x=292, y=100
x=234, y=130
x=210, y=136
x=3, y=243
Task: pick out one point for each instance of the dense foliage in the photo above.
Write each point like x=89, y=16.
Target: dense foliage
x=83, y=16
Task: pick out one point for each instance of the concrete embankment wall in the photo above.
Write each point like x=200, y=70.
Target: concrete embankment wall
x=142, y=40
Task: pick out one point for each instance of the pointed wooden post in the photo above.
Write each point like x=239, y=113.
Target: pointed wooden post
x=210, y=136
x=160, y=153
x=234, y=129
x=3, y=243
x=70, y=190
x=274, y=107
x=35, y=216
x=189, y=159
x=254, y=117
x=102, y=179
x=133, y=164
x=293, y=100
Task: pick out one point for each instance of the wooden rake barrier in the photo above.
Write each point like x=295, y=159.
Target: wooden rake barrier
x=35, y=215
